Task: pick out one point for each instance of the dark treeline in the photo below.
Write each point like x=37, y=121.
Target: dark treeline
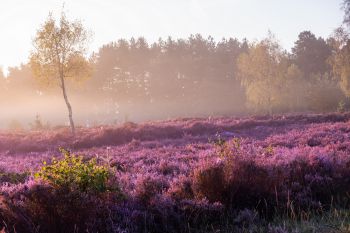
x=196, y=75
x=135, y=80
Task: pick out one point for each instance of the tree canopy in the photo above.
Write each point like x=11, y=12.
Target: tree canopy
x=59, y=55
x=311, y=54
x=187, y=76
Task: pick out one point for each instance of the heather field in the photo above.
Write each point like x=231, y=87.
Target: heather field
x=259, y=174
x=195, y=116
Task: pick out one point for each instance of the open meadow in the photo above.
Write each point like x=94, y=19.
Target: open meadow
x=259, y=174
x=190, y=116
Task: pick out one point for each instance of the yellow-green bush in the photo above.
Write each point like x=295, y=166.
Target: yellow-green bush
x=73, y=173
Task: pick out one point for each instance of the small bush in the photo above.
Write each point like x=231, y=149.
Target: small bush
x=40, y=208
x=74, y=174
x=209, y=182
x=69, y=195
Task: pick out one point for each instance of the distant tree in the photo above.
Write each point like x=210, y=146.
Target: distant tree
x=324, y=93
x=261, y=72
x=295, y=89
x=20, y=79
x=59, y=55
x=37, y=124
x=195, y=71
x=340, y=59
x=15, y=125
x=346, y=8
x=310, y=54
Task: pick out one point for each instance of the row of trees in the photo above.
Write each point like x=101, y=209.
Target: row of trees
x=275, y=80
x=197, y=75
x=195, y=71
x=260, y=75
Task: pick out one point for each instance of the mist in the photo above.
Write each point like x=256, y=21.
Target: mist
x=94, y=109
x=132, y=80
x=227, y=129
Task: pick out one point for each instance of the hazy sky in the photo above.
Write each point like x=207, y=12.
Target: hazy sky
x=113, y=19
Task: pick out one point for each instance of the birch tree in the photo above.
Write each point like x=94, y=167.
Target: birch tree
x=59, y=55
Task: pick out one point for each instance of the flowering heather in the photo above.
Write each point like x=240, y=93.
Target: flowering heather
x=188, y=174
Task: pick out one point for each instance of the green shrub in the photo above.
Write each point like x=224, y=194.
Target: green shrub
x=67, y=195
x=76, y=175
x=230, y=150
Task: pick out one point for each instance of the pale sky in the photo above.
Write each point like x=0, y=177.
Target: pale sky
x=110, y=20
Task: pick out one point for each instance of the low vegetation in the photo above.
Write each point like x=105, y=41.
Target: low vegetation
x=292, y=177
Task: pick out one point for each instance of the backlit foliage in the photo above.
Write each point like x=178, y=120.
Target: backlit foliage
x=73, y=173
x=60, y=47
x=59, y=56
x=261, y=72
x=341, y=59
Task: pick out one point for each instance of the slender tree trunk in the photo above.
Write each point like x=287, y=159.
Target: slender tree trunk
x=70, y=112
